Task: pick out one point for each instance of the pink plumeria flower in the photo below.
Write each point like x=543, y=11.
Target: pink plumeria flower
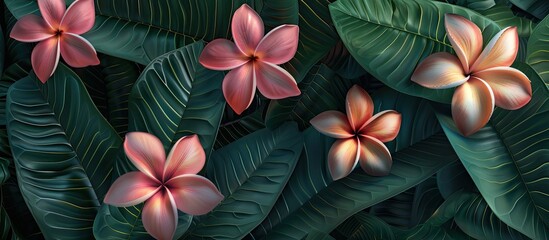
x=482, y=78
x=360, y=135
x=57, y=32
x=253, y=60
x=165, y=184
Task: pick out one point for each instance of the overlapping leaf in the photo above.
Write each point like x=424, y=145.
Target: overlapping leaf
x=538, y=50
x=230, y=132
x=538, y=8
x=395, y=35
x=507, y=160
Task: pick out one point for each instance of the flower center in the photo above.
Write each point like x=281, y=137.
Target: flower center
x=253, y=58
x=58, y=32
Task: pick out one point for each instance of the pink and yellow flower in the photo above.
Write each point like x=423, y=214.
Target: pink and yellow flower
x=360, y=135
x=57, y=32
x=483, y=78
x=253, y=60
x=165, y=184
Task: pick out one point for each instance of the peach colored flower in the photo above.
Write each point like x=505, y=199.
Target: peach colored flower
x=57, y=32
x=482, y=78
x=165, y=184
x=360, y=135
x=253, y=60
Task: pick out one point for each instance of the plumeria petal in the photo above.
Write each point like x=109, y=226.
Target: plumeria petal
x=195, y=195
x=274, y=82
x=52, y=11
x=343, y=157
x=31, y=28
x=130, y=189
x=186, y=157
x=465, y=37
x=472, y=106
x=279, y=45
x=79, y=18
x=247, y=28
x=383, y=126
x=501, y=51
x=359, y=106
x=222, y=54
x=333, y=124
x=239, y=87
x=512, y=88
x=160, y=215
x=45, y=57
x=146, y=152
x=439, y=71
x=77, y=51
x=375, y=159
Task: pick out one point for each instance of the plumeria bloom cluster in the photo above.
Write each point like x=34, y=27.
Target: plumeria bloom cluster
x=360, y=135
x=165, y=184
x=483, y=78
x=57, y=32
x=253, y=60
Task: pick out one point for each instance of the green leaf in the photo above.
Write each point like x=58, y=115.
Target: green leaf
x=538, y=8
x=504, y=17
x=395, y=35
x=2, y=51
x=343, y=63
x=174, y=96
x=63, y=152
x=365, y=226
x=538, y=53
x=234, y=130
x=5, y=224
x=321, y=90
x=476, y=5
x=454, y=178
x=250, y=173
x=507, y=160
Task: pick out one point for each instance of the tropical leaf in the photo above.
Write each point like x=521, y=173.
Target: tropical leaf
x=342, y=62
x=321, y=90
x=311, y=202
x=507, y=160
x=538, y=8
x=174, y=96
x=363, y=226
x=477, y=5
x=397, y=34
x=250, y=173
x=504, y=17
x=5, y=224
x=538, y=53
x=230, y=132
x=454, y=178
x=2, y=51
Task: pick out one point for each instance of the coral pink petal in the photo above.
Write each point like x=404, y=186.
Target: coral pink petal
x=383, y=126
x=375, y=159
x=52, y=11
x=239, y=87
x=130, y=189
x=160, y=215
x=77, y=51
x=359, y=106
x=146, y=152
x=274, y=82
x=279, y=45
x=343, y=157
x=79, y=18
x=333, y=124
x=222, y=54
x=247, y=29
x=31, y=28
x=465, y=37
x=439, y=71
x=512, y=88
x=195, y=195
x=186, y=157
x=501, y=51
x=45, y=57
x=472, y=106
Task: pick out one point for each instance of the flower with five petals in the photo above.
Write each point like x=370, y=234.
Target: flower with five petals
x=253, y=60
x=360, y=135
x=57, y=32
x=483, y=78
x=165, y=184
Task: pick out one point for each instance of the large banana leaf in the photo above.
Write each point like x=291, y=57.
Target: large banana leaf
x=504, y=17
x=507, y=160
x=538, y=53
x=395, y=35
x=311, y=202
x=63, y=149
x=538, y=8
x=250, y=173
x=234, y=130
x=174, y=96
